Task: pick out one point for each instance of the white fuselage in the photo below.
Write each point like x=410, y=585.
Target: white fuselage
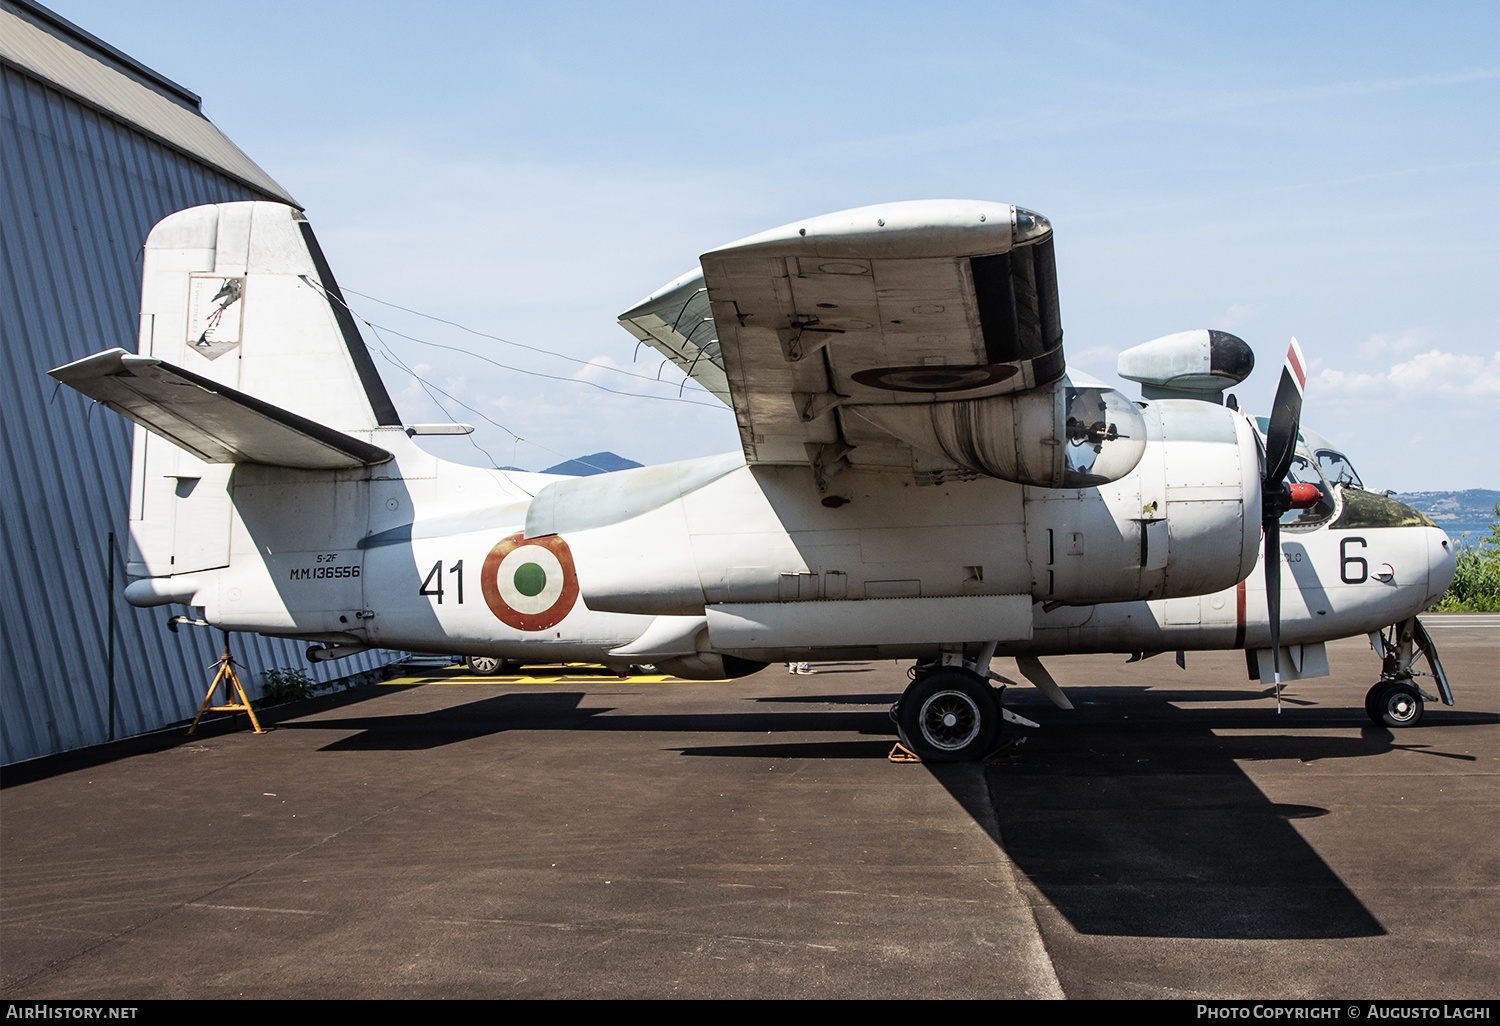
x=396, y=556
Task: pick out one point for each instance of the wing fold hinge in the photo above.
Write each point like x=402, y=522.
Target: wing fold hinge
x=804, y=337
x=828, y=461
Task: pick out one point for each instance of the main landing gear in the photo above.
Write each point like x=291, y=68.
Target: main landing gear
x=1395, y=700
x=950, y=712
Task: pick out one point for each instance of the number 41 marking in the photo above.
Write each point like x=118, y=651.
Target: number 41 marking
x=432, y=585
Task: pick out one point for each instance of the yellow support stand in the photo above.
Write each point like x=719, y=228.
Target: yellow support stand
x=232, y=689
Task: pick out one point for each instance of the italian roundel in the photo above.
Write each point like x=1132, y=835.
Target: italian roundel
x=529, y=584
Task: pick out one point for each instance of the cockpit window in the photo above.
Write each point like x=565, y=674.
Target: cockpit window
x=1337, y=468
x=1304, y=471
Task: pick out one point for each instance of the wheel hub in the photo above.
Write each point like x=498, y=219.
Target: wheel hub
x=949, y=720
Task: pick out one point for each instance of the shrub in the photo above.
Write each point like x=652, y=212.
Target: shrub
x=287, y=684
x=1476, y=580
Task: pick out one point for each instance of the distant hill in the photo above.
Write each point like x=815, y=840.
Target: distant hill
x=1468, y=511
x=598, y=463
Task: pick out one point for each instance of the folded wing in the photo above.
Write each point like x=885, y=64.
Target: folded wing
x=877, y=337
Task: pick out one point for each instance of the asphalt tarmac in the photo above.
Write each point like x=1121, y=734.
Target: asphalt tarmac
x=578, y=835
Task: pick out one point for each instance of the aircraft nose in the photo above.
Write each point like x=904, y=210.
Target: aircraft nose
x=1442, y=561
x=1430, y=547
x=1442, y=554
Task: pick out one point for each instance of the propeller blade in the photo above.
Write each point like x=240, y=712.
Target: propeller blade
x=1273, y=597
x=1277, y=495
x=1286, y=413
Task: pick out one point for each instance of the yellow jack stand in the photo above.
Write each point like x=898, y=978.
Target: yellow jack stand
x=232, y=689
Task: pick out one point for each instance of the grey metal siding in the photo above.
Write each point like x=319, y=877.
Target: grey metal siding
x=80, y=191
x=50, y=49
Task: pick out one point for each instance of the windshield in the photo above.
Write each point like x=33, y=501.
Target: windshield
x=1337, y=468
x=1333, y=463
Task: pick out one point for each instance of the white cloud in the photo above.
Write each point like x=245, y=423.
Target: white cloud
x=1237, y=316
x=1425, y=422
x=1385, y=343
x=1434, y=372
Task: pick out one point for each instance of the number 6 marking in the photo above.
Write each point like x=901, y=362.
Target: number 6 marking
x=1346, y=560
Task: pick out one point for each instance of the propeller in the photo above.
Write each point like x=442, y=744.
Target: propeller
x=1277, y=496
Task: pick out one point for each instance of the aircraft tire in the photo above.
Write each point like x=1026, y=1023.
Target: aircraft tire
x=949, y=715
x=1395, y=704
x=484, y=666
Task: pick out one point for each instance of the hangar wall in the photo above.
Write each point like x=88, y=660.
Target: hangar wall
x=94, y=150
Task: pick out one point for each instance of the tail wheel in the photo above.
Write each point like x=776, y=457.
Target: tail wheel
x=1395, y=704
x=949, y=715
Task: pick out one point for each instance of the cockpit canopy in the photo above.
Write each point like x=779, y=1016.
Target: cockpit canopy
x=1334, y=464
x=1319, y=463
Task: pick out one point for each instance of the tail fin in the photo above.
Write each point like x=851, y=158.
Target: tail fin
x=240, y=293
x=247, y=354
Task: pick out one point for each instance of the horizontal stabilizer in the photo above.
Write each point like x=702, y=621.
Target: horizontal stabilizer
x=215, y=423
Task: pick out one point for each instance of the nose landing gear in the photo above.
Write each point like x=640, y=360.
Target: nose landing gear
x=1395, y=700
x=1394, y=703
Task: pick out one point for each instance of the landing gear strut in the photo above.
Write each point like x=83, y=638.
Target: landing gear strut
x=1395, y=700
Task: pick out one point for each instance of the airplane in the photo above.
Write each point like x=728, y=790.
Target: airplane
x=921, y=478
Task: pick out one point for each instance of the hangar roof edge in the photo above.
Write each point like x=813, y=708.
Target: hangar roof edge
x=49, y=48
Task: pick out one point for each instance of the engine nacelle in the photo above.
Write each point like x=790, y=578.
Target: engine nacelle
x=1076, y=433
x=1186, y=522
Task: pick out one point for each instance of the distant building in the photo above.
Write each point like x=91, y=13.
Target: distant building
x=95, y=148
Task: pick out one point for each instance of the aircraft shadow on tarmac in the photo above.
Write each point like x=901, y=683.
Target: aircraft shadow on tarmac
x=544, y=710
x=565, y=710
x=1131, y=815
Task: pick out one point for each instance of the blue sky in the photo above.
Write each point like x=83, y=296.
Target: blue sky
x=532, y=170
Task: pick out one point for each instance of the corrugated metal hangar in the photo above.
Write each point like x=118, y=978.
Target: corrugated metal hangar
x=94, y=150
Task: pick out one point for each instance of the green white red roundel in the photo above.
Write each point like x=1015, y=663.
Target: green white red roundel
x=529, y=584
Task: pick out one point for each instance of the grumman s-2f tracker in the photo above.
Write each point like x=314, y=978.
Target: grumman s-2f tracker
x=920, y=479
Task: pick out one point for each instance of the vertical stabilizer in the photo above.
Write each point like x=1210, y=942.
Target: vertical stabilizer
x=239, y=294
